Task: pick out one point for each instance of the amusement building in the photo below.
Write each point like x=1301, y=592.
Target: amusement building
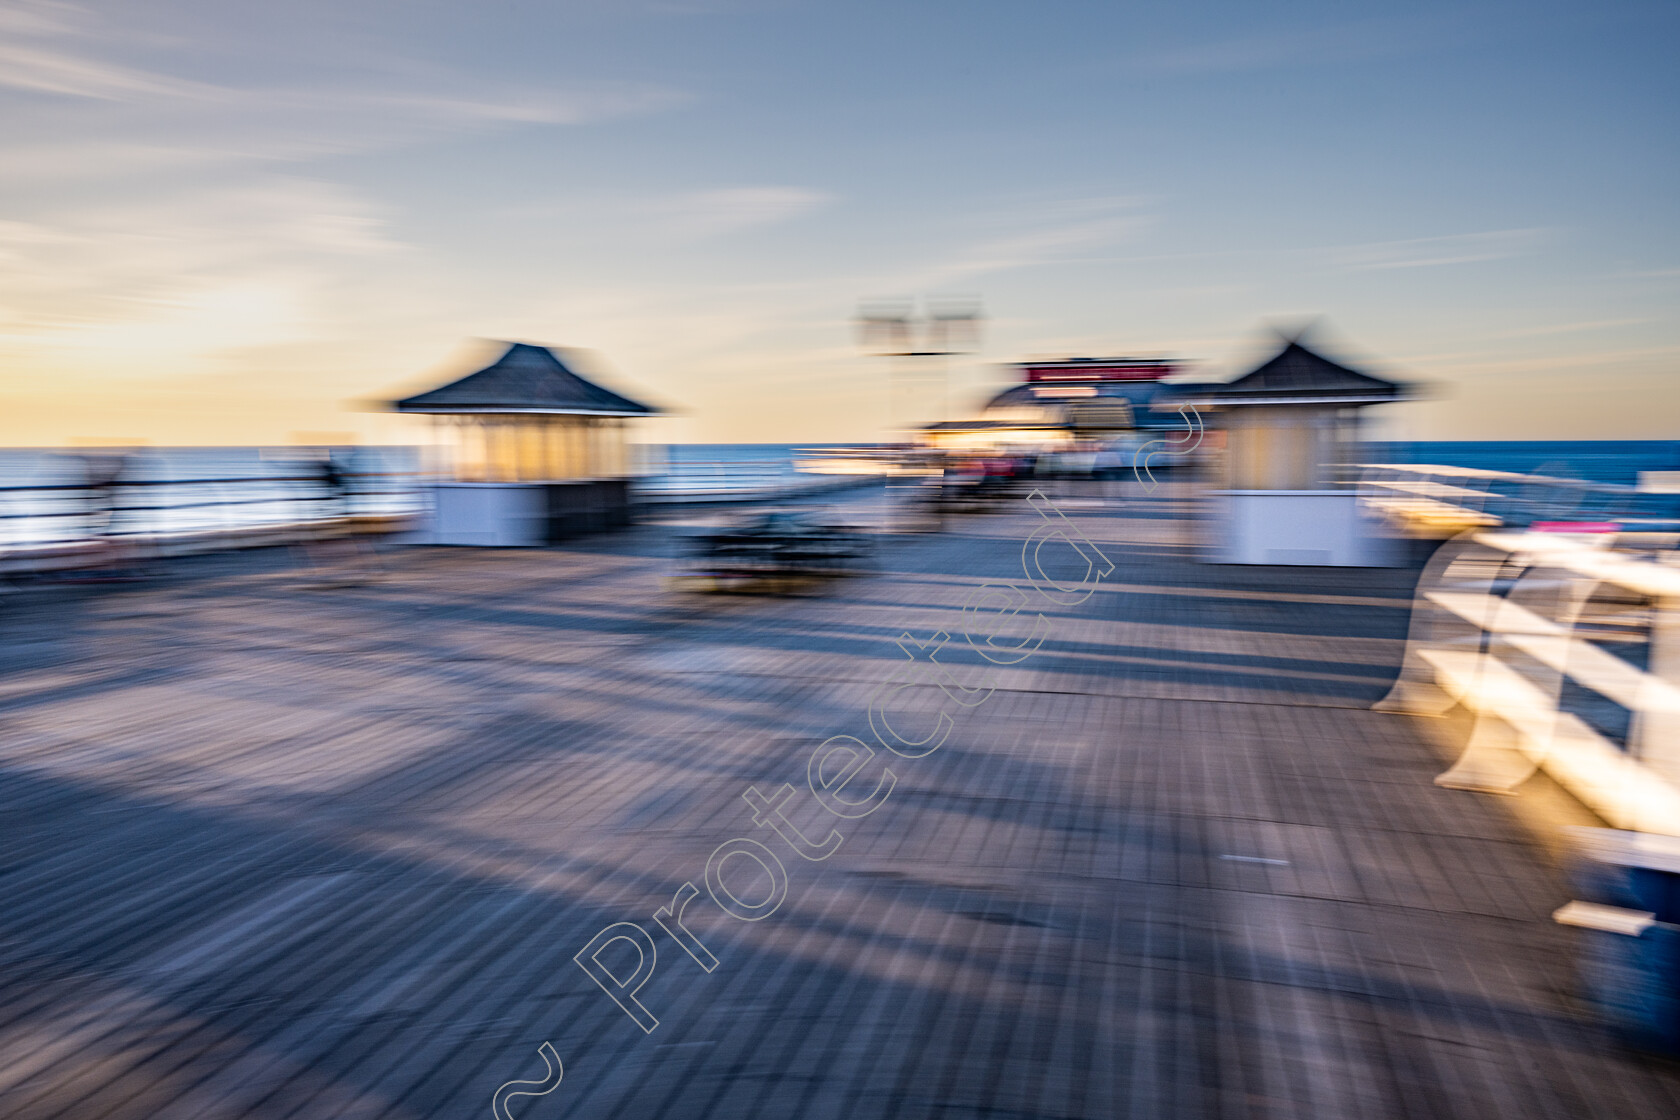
x=1069, y=403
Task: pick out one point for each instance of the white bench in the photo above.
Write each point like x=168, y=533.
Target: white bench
x=1495, y=629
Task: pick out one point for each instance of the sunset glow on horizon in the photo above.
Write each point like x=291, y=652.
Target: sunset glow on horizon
x=233, y=223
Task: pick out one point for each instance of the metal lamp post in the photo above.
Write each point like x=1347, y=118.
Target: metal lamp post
x=919, y=345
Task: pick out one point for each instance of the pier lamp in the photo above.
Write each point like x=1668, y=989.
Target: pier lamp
x=918, y=346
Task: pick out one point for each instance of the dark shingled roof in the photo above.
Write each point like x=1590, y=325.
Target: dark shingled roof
x=524, y=379
x=1296, y=373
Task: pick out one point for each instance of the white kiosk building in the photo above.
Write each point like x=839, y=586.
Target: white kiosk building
x=1291, y=430
x=539, y=452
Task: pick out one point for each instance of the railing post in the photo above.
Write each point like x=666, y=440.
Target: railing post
x=1499, y=755
x=1655, y=735
x=1415, y=691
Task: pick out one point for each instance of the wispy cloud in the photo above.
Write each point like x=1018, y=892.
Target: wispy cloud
x=143, y=270
x=49, y=71
x=1068, y=230
x=611, y=225
x=62, y=49
x=1432, y=252
x=1306, y=46
x=715, y=213
x=188, y=229
x=233, y=127
x=1317, y=44
x=579, y=105
x=1568, y=328
x=37, y=53
x=1657, y=360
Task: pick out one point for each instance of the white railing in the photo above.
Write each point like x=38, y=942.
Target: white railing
x=55, y=526
x=1431, y=500
x=1504, y=619
x=715, y=476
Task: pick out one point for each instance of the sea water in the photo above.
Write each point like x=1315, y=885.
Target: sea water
x=188, y=489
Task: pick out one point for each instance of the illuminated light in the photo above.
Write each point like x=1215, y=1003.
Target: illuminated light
x=1086, y=369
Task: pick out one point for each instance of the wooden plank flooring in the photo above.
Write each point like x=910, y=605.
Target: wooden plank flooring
x=275, y=849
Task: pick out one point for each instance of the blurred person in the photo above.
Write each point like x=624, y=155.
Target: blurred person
x=331, y=542
x=333, y=501
x=1108, y=468
x=102, y=473
x=102, y=484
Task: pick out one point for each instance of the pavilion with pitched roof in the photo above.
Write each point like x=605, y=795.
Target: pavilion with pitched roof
x=1291, y=421
x=527, y=417
x=539, y=451
x=1291, y=429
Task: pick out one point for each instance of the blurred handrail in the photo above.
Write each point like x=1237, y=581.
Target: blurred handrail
x=122, y=483
x=1495, y=629
x=1427, y=497
x=66, y=517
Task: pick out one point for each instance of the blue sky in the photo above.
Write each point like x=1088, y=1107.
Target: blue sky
x=225, y=221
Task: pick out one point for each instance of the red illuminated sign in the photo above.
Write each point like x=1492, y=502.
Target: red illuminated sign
x=1098, y=370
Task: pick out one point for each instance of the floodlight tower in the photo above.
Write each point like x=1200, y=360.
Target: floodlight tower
x=918, y=346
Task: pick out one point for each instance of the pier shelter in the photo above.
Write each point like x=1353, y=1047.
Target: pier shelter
x=539, y=452
x=1065, y=404
x=1291, y=429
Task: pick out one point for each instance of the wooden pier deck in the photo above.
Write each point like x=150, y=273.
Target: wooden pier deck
x=277, y=849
